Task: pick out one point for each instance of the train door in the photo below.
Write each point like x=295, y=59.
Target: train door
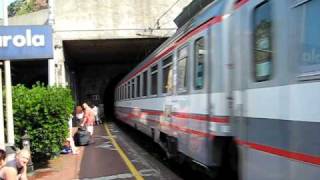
x=238, y=55
x=180, y=99
x=198, y=140
x=241, y=55
x=256, y=73
x=256, y=100
x=166, y=134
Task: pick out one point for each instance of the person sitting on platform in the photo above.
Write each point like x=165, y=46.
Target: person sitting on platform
x=16, y=168
x=2, y=159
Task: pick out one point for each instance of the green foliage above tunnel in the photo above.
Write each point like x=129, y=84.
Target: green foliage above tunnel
x=20, y=7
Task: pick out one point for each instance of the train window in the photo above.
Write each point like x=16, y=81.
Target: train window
x=133, y=89
x=154, y=79
x=117, y=94
x=167, y=86
x=121, y=92
x=262, y=42
x=125, y=91
x=138, y=86
x=199, y=54
x=123, y=96
x=129, y=90
x=145, y=84
x=309, y=42
x=182, y=69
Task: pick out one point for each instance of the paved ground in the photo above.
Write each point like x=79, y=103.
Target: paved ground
x=102, y=161
x=96, y=160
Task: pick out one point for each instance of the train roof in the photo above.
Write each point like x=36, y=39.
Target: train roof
x=214, y=9
x=189, y=11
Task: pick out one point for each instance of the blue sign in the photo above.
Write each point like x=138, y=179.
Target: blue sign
x=25, y=42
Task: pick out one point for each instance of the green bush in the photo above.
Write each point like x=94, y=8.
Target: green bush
x=44, y=113
x=21, y=7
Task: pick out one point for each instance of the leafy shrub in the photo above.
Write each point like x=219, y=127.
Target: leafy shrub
x=44, y=113
x=20, y=7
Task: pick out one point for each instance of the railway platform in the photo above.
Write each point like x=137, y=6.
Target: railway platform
x=103, y=159
x=110, y=157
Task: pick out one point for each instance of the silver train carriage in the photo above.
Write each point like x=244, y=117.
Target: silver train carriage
x=243, y=71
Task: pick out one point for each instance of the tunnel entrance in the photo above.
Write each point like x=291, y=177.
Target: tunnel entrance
x=94, y=67
x=108, y=98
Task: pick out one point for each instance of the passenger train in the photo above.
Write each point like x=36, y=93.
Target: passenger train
x=237, y=84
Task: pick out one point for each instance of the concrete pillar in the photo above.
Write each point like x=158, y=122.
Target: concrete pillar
x=7, y=69
x=51, y=62
x=9, y=112
x=2, y=139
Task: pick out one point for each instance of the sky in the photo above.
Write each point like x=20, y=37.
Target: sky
x=1, y=6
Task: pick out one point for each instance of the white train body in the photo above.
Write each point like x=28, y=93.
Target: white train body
x=243, y=71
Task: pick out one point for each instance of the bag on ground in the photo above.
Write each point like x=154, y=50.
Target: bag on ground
x=82, y=137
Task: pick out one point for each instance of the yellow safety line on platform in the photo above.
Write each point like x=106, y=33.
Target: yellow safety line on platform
x=131, y=167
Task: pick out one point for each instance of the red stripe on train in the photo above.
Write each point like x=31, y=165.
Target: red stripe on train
x=183, y=129
x=283, y=153
x=185, y=38
x=180, y=41
x=240, y=3
x=152, y=112
x=204, y=26
x=199, y=117
x=189, y=131
x=217, y=119
x=190, y=116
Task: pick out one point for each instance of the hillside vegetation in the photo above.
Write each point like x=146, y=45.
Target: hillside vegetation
x=20, y=7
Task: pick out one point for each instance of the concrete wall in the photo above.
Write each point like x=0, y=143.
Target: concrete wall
x=100, y=19
x=35, y=18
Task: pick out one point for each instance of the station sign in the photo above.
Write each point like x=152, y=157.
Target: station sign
x=26, y=42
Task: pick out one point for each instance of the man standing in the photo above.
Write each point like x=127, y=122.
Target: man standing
x=88, y=119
